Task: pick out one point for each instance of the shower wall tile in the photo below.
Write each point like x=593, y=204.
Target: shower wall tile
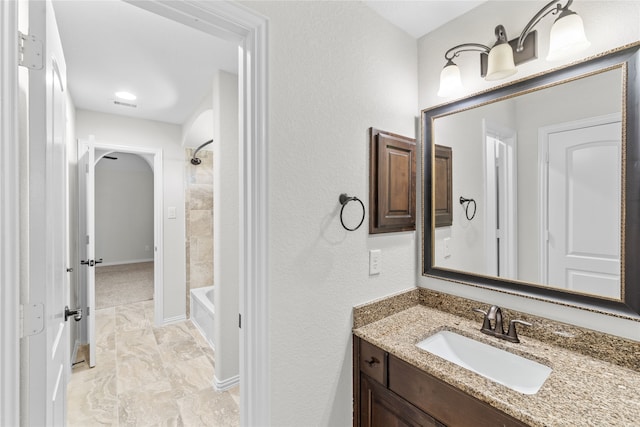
x=199, y=221
x=201, y=197
x=202, y=249
x=202, y=275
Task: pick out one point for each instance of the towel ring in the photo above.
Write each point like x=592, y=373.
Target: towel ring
x=466, y=208
x=344, y=200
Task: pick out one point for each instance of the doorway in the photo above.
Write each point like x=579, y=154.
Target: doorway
x=124, y=227
x=501, y=183
x=90, y=153
x=249, y=30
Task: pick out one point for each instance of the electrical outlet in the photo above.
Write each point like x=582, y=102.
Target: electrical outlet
x=375, y=262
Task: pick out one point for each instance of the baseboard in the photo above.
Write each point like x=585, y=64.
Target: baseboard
x=134, y=261
x=226, y=384
x=174, y=319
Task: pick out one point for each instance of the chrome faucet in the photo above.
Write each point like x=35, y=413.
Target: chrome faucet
x=497, y=329
x=495, y=314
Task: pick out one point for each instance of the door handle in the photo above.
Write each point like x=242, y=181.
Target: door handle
x=99, y=261
x=85, y=262
x=77, y=314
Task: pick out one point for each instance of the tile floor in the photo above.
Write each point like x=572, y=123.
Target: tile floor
x=148, y=376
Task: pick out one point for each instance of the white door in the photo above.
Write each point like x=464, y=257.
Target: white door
x=48, y=349
x=583, y=209
x=86, y=234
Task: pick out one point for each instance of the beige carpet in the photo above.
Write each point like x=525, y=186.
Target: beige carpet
x=123, y=284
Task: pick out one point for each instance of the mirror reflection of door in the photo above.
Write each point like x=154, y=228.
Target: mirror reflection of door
x=583, y=196
x=501, y=219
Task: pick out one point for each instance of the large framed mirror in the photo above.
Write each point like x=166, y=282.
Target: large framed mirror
x=552, y=166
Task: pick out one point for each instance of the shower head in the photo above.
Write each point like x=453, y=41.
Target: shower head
x=196, y=161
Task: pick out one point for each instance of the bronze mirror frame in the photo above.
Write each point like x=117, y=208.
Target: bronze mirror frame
x=628, y=59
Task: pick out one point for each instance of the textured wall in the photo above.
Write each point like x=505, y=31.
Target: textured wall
x=335, y=69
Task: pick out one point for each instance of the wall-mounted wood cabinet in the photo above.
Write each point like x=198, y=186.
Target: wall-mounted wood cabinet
x=390, y=392
x=443, y=197
x=392, y=182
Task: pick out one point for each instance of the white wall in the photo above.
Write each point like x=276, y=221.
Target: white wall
x=226, y=227
x=198, y=128
x=335, y=69
x=477, y=26
x=123, y=209
x=120, y=130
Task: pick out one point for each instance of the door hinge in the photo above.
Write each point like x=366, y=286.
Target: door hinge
x=240, y=321
x=30, y=52
x=31, y=319
x=88, y=311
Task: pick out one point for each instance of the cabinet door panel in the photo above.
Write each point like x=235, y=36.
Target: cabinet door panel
x=380, y=407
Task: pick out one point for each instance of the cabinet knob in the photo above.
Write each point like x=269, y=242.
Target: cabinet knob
x=372, y=362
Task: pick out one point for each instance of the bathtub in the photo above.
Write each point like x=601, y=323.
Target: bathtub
x=203, y=312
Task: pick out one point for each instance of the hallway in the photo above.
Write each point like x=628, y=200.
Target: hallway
x=148, y=376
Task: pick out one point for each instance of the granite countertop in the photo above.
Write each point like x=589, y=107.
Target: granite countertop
x=581, y=390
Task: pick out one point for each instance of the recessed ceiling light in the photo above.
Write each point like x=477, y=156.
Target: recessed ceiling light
x=126, y=95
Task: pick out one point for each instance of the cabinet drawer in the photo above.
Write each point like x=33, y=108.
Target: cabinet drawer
x=443, y=401
x=373, y=362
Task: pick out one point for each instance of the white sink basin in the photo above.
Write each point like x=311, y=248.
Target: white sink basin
x=516, y=372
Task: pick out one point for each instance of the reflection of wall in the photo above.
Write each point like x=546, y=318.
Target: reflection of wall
x=527, y=114
x=124, y=209
x=463, y=132
x=580, y=99
x=477, y=25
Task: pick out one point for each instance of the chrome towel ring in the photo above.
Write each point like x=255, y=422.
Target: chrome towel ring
x=344, y=200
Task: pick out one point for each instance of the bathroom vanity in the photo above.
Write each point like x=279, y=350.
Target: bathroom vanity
x=397, y=383
x=391, y=389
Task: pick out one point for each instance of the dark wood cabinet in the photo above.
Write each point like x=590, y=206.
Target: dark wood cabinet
x=391, y=392
x=380, y=407
x=392, y=182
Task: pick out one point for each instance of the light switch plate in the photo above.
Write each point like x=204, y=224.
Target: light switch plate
x=172, y=212
x=375, y=262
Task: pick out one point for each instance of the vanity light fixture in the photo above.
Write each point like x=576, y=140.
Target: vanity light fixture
x=498, y=62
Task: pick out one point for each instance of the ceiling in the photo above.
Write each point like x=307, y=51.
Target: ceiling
x=112, y=46
x=421, y=17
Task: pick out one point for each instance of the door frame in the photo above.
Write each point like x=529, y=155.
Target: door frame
x=510, y=244
x=543, y=173
x=9, y=217
x=158, y=254
x=230, y=21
